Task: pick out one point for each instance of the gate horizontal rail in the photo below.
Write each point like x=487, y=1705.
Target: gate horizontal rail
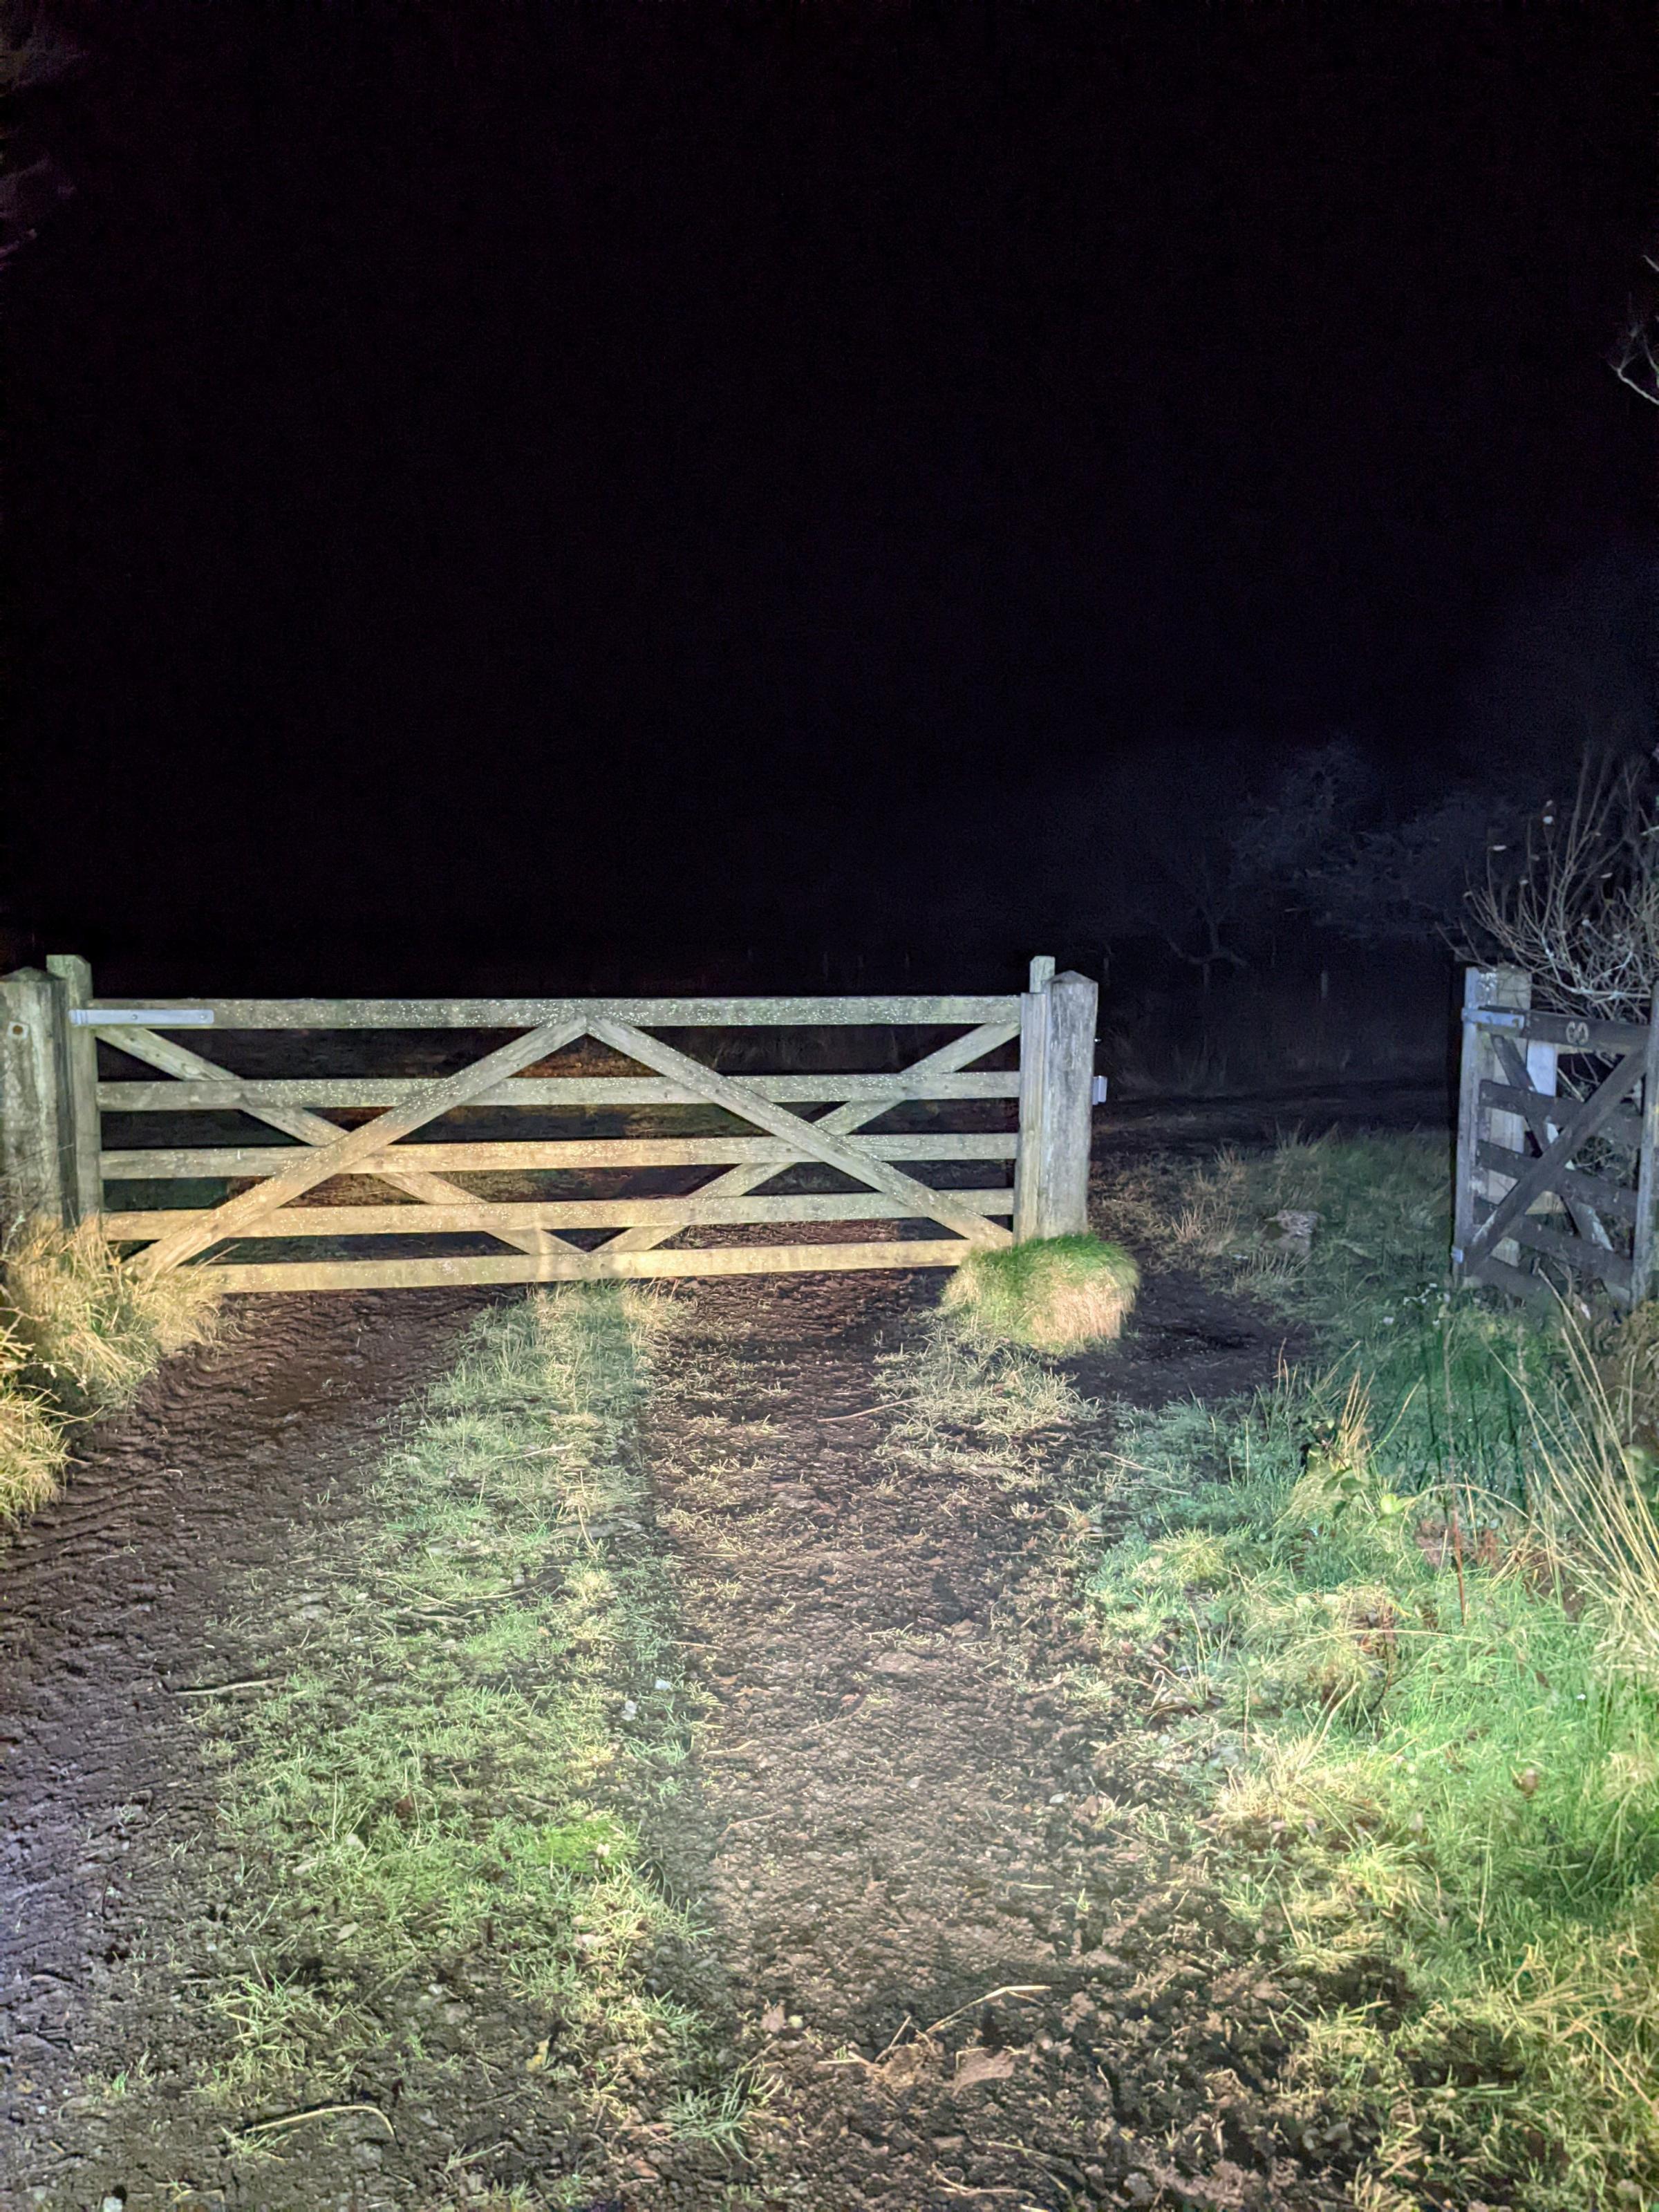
x=55, y=1096
x=475, y=1014
x=186, y=1096
x=516, y=1155
x=600, y=1266
x=415, y=1220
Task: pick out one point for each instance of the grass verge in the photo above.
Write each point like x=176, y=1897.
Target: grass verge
x=1401, y=1619
x=78, y=1335
x=439, y=1811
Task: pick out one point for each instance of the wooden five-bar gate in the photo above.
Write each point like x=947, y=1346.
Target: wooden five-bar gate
x=1543, y=1176
x=743, y=1132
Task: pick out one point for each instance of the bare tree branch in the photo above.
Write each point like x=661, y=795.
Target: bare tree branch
x=1635, y=359
x=1580, y=912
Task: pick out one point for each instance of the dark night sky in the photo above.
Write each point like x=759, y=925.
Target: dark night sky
x=577, y=491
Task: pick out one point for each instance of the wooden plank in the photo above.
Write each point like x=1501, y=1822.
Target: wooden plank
x=1529, y=1067
x=578, y=1267
x=1065, y=1112
x=1511, y=988
x=1580, y=1252
x=1538, y=1176
x=249, y=1094
x=232, y=1162
x=82, y=1133
x=33, y=1098
x=835, y=1151
x=671, y=1213
x=864, y=1012
x=1625, y=1124
x=1033, y=1081
x=310, y=1128
x=1565, y=1032
x=1647, y=1189
x=948, y=1060
x=319, y=1163
x=1471, y=1112
x=1597, y=1191
x=1515, y=1281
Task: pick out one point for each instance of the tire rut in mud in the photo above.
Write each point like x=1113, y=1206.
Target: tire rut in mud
x=904, y=1811
x=239, y=1459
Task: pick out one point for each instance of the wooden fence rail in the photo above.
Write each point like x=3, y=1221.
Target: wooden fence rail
x=58, y=1163
x=1522, y=1192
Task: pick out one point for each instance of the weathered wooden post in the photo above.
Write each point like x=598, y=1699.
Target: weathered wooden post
x=1510, y=990
x=34, y=1122
x=1056, y=1092
x=86, y=1182
x=1647, y=1191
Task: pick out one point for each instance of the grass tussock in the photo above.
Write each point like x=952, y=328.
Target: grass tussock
x=78, y=1335
x=1054, y=1294
x=1401, y=1618
x=92, y=1330
x=448, y=1785
x=33, y=1448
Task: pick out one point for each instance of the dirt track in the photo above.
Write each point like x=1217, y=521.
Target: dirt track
x=896, y=1811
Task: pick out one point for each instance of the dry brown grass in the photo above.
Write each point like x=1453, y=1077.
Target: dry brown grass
x=88, y=1329
x=32, y=1446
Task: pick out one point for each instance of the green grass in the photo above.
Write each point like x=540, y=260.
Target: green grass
x=454, y=1776
x=1053, y=1293
x=1399, y=1615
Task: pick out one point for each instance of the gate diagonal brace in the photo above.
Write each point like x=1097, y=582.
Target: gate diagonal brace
x=1545, y=1128
x=326, y=1160
x=316, y=1129
x=811, y=1138
x=1535, y=1176
x=738, y=1182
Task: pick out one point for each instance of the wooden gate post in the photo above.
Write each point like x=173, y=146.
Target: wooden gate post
x=1056, y=1083
x=1640, y=1259
x=33, y=1096
x=85, y=1183
x=1510, y=988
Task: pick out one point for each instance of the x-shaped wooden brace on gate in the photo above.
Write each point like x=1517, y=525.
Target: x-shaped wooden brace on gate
x=338, y=1152
x=1575, y=1124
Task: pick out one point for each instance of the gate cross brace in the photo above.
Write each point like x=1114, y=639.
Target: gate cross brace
x=316, y=1129
x=326, y=1160
x=736, y=1182
x=1546, y=1127
x=811, y=1137
x=1535, y=1179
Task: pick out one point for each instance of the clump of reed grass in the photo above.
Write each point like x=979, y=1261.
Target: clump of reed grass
x=90, y=1329
x=1053, y=1293
x=32, y=1446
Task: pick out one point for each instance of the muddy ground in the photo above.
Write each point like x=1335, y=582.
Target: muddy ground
x=964, y=1979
